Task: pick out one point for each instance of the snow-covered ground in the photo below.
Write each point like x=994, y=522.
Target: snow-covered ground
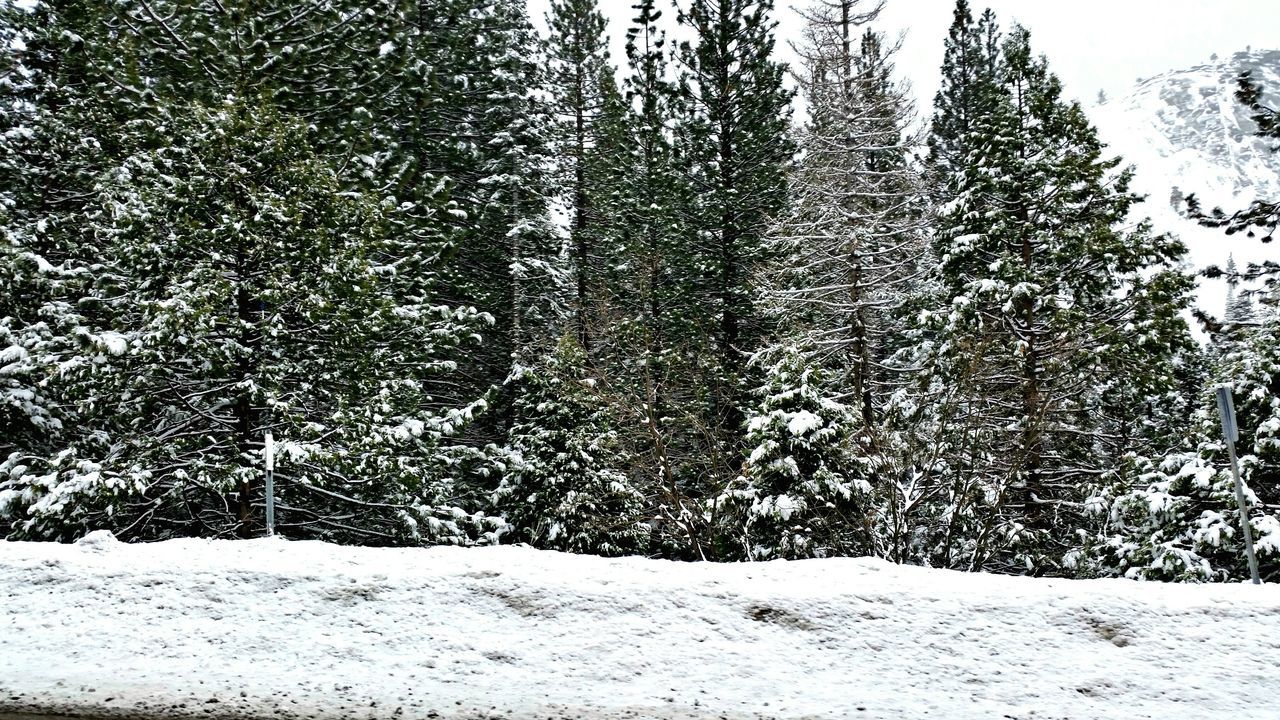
x=269, y=628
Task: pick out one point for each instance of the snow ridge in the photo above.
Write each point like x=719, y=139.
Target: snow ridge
x=1185, y=133
x=1186, y=128
x=251, y=629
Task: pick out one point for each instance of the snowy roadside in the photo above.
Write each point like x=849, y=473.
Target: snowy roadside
x=257, y=629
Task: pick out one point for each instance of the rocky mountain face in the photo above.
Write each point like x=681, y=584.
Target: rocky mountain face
x=1186, y=133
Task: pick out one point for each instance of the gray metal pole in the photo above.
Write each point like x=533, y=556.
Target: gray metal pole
x=1231, y=432
x=1244, y=515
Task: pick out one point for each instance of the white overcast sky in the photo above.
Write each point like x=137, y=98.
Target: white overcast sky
x=1092, y=44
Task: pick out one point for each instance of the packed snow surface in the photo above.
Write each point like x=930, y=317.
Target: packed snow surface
x=269, y=628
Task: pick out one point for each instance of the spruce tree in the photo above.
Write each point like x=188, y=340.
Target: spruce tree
x=969, y=69
x=579, y=64
x=52, y=146
x=801, y=493
x=242, y=291
x=1174, y=516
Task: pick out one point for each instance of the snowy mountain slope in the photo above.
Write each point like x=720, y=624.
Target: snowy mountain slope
x=255, y=629
x=1186, y=133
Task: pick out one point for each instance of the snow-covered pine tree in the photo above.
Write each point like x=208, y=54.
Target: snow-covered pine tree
x=25, y=273
x=802, y=492
x=850, y=247
x=1237, y=316
x=580, y=75
x=647, y=346
x=325, y=62
x=50, y=153
x=240, y=291
x=564, y=486
x=1174, y=517
x=1061, y=327
x=505, y=257
x=654, y=285
x=28, y=416
x=969, y=67
x=732, y=138
x=421, y=101
x=662, y=295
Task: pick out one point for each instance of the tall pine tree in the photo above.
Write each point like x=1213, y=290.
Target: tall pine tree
x=580, y=77
x=734, y=144
x=242, y=291
x=1060, y=327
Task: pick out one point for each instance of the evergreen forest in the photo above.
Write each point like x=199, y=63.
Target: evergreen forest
x=484, y=282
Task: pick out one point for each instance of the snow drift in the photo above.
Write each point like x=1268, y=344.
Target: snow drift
x=269, y=628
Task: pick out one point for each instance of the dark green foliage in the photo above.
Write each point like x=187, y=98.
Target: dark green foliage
x=803, y=491
x=969, y=71
x=51, y=149
x=733, y=143
x=1061, y=329
x=241, y=292
x=564, y=487
x=1175, y=517
x=581, y=80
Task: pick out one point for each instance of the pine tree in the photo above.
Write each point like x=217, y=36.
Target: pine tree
x=1061, y=329
x=579, y=68
x=312, y=60
x=241, y=291
x=504, y=258
x=1238, y=313
x=649, y=342
x=800, y=494
x=1174, y=517
x=51, y=148
x=733, y=140
x=969, y=70
x=432, y=103
x=399, y=103
x=564, y=487
x=850, y=247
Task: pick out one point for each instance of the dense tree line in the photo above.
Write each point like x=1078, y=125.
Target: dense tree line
x=488, y=286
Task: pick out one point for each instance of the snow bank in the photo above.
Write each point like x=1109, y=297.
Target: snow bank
x=272, y=628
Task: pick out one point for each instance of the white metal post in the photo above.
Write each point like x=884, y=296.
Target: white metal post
x=1231, y=432
x=270, y=452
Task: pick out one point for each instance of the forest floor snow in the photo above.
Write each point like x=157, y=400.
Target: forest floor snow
x=271, y=628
